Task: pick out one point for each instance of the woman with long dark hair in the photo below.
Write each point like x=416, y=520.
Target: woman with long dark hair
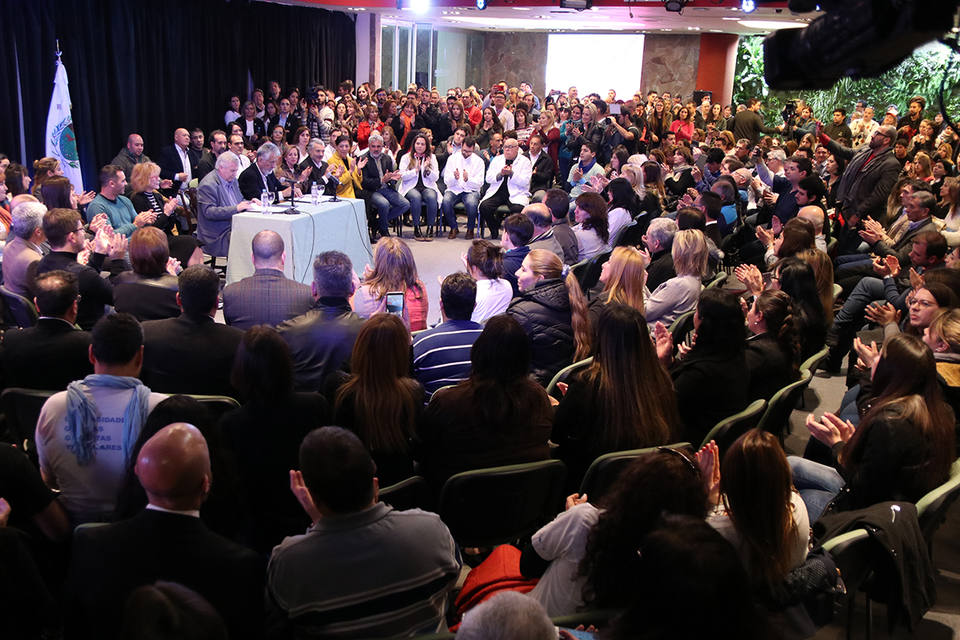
x=622, y=206
x=498, y=416
x=624, y=400
x=418, y=184
x=797, y=279
x=903, y=446
x=380, y=401
x=773, y=351
x=484, y=263
x=711, y=380
x=591, y=230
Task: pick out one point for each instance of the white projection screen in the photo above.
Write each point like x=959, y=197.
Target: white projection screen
x=595, y=63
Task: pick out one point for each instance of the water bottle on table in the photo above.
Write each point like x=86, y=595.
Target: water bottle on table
x=264, y=200
x=314, y=194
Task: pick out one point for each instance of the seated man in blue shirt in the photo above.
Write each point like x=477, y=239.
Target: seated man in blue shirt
x=441, y=356
x=117, y=207
x=795, y=169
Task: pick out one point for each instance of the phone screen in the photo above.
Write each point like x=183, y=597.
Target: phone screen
x=579, y=634
x=395, y=303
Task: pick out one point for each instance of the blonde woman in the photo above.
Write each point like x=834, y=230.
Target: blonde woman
x=624, y=279
x=394, y=269
x=679, y=294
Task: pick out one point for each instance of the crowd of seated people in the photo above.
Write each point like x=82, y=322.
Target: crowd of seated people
x=355, y=382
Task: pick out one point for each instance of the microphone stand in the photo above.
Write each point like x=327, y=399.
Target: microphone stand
x=292, y=209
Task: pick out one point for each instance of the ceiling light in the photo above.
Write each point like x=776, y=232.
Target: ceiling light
x=675, y=6
x=420, y=6
x=770, y=25
x=748, y=6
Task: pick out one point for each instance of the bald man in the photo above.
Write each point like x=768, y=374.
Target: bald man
x=543, y=235
x=166, y=541
x=268, y=296
x=816, y=216
x=131, y=154
x=175, y=164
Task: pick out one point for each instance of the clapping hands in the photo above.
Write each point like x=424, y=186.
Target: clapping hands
x=830, y=429
x=749, y=275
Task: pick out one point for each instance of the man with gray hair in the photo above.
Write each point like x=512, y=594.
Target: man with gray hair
x=259, y=176
x=23, y=250
x=505, y=616
x=379, y=179
x=659, y=241
x=268, y=296
x=543, y=237
x=321, y=174
x=321, y=339
x=219, y=198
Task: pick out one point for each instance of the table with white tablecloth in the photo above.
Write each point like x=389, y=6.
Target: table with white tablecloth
x=327, y=226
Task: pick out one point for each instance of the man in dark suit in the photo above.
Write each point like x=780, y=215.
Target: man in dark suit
x=53, y=353
x=22, y=253
x=175, y=163
x=870, y=174
x=64, y=231
x=259, y=175
x=378, y=178
x=166, y=541
x=543, y=173
x=321, y=173
x=197, y=152
x=321, y=340
x=191, y=353
x=266, y=297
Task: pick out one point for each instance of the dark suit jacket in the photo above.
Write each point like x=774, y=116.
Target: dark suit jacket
x=863, y=190
x=259, y=131
x=112, y=560
x=266, y=297
x=321, y=341
x=543, y=173
x=289, y=128
x=170, y=166
x=370, y=177
x=183, y=355
x=95, y=292
x=251, y=182
x=327, y=188
x=50, y=355
x=146, y=298
x=199, y=161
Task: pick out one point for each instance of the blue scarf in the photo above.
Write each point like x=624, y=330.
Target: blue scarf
x=82, y=415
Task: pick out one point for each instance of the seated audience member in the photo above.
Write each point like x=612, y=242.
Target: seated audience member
x=22, y=252
x=766, y=522
x=28, y=504
x=441, y=355
x=149, y=292
x=681, y=176
x=624, y=400
x=518, y=229
x=321, y=339
x=553, y=312
x=260, y=177
x=165, y=541
x=219, y=199
x=687, y=566
x=378, y=400
x=154, y=610
x=796, y=278
x=145, y=197
x=593, y=236
x=711, y=381
x=463, y=175
x=903, y=446
x=418, y=184
x=322, y=175
x=543, y=171
x=349, y=168
x=822, y=267
x=591, y=548
x=497, y=416
x=507, y=615
x=659, y=243
x=679, y=294
x=85, y=434
x=393, y=270
x=265, y=433
x=623, y=278
x=268, y=296
x=559, y=205
x=484, y=263
x=621, y=207
x=797, y=236
x=773, y=351
x=379, y=179
x=131, y=155
x=508, y=177
x=386, y=572
x=191, y=353
x=543, y=236
x=63, y=229
x=581, y=172
x=115, y=206
x=53, y=353
x=175, y=163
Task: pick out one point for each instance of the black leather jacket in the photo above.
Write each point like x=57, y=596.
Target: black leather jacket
x=321, y=341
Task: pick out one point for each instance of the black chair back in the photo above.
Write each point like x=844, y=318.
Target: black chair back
x=18, y=311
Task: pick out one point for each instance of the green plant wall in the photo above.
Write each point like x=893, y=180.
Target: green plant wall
x=919, y=74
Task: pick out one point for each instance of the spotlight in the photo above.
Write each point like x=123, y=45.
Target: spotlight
x=675, y=6
x=420, y=6
x=748, y=6
x=481, y=4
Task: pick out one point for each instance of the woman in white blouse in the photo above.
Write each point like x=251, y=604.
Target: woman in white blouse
x=591, y=230
x=484, y=263
x=418, y=184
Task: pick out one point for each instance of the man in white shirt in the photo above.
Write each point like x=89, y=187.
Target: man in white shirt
x=85, y=435
x=509, y=178
x=175, y=162
x=463, y=176
x=236, y=146
x=505, y=115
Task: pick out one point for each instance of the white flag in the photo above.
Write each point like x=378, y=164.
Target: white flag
x=61, y=140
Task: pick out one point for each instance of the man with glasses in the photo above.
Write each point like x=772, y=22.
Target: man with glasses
x=509, y=178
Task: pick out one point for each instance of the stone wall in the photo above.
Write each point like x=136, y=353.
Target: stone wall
x=670, y=63
x=515, y=58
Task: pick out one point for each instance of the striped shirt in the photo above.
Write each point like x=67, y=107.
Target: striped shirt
x=441, y=356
